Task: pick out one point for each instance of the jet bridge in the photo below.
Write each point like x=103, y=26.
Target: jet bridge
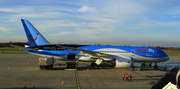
x=171, y=80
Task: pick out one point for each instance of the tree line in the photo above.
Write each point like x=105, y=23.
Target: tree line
x=8, y=44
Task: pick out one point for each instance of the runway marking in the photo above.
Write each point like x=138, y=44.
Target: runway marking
x=77, y=80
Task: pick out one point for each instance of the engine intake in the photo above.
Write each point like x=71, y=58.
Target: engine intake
x=123, y=62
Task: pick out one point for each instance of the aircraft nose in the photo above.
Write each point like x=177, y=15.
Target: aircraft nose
x=167, y=58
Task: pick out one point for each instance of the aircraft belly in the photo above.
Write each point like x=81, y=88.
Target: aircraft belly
x=145, y=59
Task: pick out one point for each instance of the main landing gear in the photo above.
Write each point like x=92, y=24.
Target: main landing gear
x=96, y=66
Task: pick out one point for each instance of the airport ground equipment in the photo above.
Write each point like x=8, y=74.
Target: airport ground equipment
x=46, y=63
x=71, y=61
x=171, y=80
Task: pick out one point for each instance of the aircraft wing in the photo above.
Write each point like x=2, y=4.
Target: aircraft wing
x=23, y=48
x=92, y=53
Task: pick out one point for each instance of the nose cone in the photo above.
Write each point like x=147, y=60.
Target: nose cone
x=163, y=59
x=166, y=58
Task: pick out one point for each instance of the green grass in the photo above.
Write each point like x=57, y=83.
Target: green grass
x=173, y=53
x=13, y=52
x=10, y=50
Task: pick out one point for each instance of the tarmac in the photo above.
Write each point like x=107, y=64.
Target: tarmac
x=18, y=71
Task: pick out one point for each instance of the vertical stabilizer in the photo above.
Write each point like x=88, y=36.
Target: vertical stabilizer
x=34, y=36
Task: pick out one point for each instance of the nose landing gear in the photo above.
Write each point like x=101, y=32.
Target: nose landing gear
x=155, y=66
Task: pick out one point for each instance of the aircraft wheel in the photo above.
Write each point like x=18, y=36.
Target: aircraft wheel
x=155, y=66
x=93, y=64
x=95, y=67
x=99, y=67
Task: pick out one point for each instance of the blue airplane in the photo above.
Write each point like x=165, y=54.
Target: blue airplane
x=118, y=56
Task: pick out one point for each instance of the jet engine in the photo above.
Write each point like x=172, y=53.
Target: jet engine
x=122, y=62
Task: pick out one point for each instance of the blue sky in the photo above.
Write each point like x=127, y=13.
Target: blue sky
x=115, y=22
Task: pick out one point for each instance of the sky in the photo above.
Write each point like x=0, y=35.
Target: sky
x=114, y=22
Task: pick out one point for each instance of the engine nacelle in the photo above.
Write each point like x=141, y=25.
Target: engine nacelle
x=123, y=62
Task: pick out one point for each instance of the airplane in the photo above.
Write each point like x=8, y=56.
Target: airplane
x=118, y=56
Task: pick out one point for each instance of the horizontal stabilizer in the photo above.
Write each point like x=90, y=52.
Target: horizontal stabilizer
x=23, y=48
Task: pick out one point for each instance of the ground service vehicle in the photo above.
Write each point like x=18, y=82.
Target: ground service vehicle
x=46, y=63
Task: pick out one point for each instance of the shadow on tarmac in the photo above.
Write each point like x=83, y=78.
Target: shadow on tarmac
x=104, y=66
x=30, y=87
x=141, y=79
x=148, y=69
x=81, y=68
x=154, y=76
x=27, y=88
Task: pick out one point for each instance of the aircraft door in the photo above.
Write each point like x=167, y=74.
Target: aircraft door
x=156, y=53
x=53, y=50
x=133, y=52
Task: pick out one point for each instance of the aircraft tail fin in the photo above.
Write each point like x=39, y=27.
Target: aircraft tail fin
x=33, y=35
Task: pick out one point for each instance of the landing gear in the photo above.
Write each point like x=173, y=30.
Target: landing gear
x=99, y=66
x=97, y=63
x=96, y=66
x=92, y=64
x=114, y=62
x=155, y=66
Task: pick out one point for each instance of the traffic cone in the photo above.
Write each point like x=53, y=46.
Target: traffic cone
x=87, y=69
x=164, y=67
x=62, y=82
x=8, y=68
x=173, y=66
x=138, y=69
x=27, y=62
x=81, y=63
x=57, y=62
x=23, y=64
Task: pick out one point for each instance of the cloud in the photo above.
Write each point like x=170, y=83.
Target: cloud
x=86, y=9
x=16, y=10
x=61, y=33
x=80, y=33
x=120, y=20
x=4, y=29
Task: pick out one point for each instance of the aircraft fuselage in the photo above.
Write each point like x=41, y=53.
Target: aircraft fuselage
x=139, y=54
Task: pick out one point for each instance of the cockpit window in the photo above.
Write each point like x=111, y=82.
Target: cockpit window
x=164, y=53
